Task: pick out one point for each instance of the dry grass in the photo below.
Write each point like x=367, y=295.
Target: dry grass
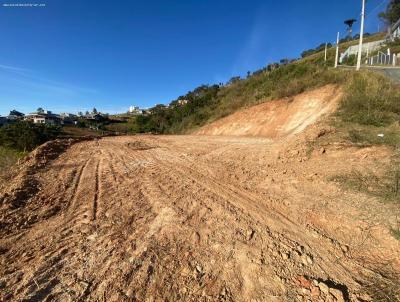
x=8, y=159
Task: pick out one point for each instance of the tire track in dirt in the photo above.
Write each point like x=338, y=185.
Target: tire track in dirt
x=162, y=223
x=77, y=182
x=231, y=193
x=96, y=190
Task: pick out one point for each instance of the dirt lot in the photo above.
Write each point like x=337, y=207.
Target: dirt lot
x=203, y=218
x=196, y=218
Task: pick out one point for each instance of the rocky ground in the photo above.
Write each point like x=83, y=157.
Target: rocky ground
x=196, y=218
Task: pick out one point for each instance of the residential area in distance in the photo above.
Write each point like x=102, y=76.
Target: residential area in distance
x=93, y=119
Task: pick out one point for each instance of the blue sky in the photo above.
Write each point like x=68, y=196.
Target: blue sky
x=72, y=55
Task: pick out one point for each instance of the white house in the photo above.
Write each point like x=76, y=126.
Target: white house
x=182, y=102
x=44, y=117
x=135, y=110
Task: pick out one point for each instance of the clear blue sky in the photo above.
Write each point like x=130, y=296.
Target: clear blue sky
x=71, y=55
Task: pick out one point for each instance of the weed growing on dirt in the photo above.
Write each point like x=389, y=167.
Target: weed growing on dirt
x=369, y=135
x=8, y=158
x=396, y=233
x=385, y=187
x=370, y=99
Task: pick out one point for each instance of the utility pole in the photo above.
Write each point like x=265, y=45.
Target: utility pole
x=361, y=36
x=326, y=50
x=337, y=50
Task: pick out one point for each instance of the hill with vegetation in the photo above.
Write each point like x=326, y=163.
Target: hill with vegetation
x=369, y=98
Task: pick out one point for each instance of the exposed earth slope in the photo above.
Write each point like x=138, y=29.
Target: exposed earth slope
x=278, y=118
x=199, y=218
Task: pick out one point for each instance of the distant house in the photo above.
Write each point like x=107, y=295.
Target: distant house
x=135, y=110
x=43, y=117
x=68, y=118
x=182, y=102
x=94, y=117
x=178, y=103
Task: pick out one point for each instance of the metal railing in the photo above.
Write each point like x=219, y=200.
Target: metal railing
x=383, y=59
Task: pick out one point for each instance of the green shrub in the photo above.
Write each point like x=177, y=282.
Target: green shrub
x=370, y=99
x=385, y=187
x=370, y=135
x=8, y=158
x=396, y=233
x=350, y=60
x=25, y=136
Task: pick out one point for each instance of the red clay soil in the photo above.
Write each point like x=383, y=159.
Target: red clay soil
x=279, y=118
x=198, y=218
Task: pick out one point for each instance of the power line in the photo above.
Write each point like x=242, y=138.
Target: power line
x=376, y=7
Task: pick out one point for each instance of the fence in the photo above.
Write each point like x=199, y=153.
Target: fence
x=384, y=59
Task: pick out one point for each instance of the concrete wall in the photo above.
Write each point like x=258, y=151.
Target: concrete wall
x=353, y=50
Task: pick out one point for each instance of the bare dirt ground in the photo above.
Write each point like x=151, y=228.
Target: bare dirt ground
x=196, y=218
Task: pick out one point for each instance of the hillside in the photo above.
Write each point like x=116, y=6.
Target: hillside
x=208, y=103
x=278, y=118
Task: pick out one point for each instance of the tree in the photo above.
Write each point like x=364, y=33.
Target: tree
x=307, y=53
x=24, y=136
x=40, y=110
x=87, y=112
x=94, y=111
x=392, y=13
x=234, y=80
x=272, y=66
x=349, y=24
x=16, y=113
x=284, y=61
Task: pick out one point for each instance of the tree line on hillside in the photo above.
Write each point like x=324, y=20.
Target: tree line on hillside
x=202, y=100
x=208, y=102
x=161, y=118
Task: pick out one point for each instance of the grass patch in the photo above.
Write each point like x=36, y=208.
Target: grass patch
x=8, y=159
x=370, y=99
x=384, y=185
x=370, y=135
x=26, y=136
x=396, y=233
x=74, y=131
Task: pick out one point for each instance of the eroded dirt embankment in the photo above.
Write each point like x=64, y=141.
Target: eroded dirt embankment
x=200, y=218
x=278, y=118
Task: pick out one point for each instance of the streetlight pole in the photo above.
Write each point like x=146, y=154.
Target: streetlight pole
x=337, y=50
x=326, y=50
x=361, y=36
